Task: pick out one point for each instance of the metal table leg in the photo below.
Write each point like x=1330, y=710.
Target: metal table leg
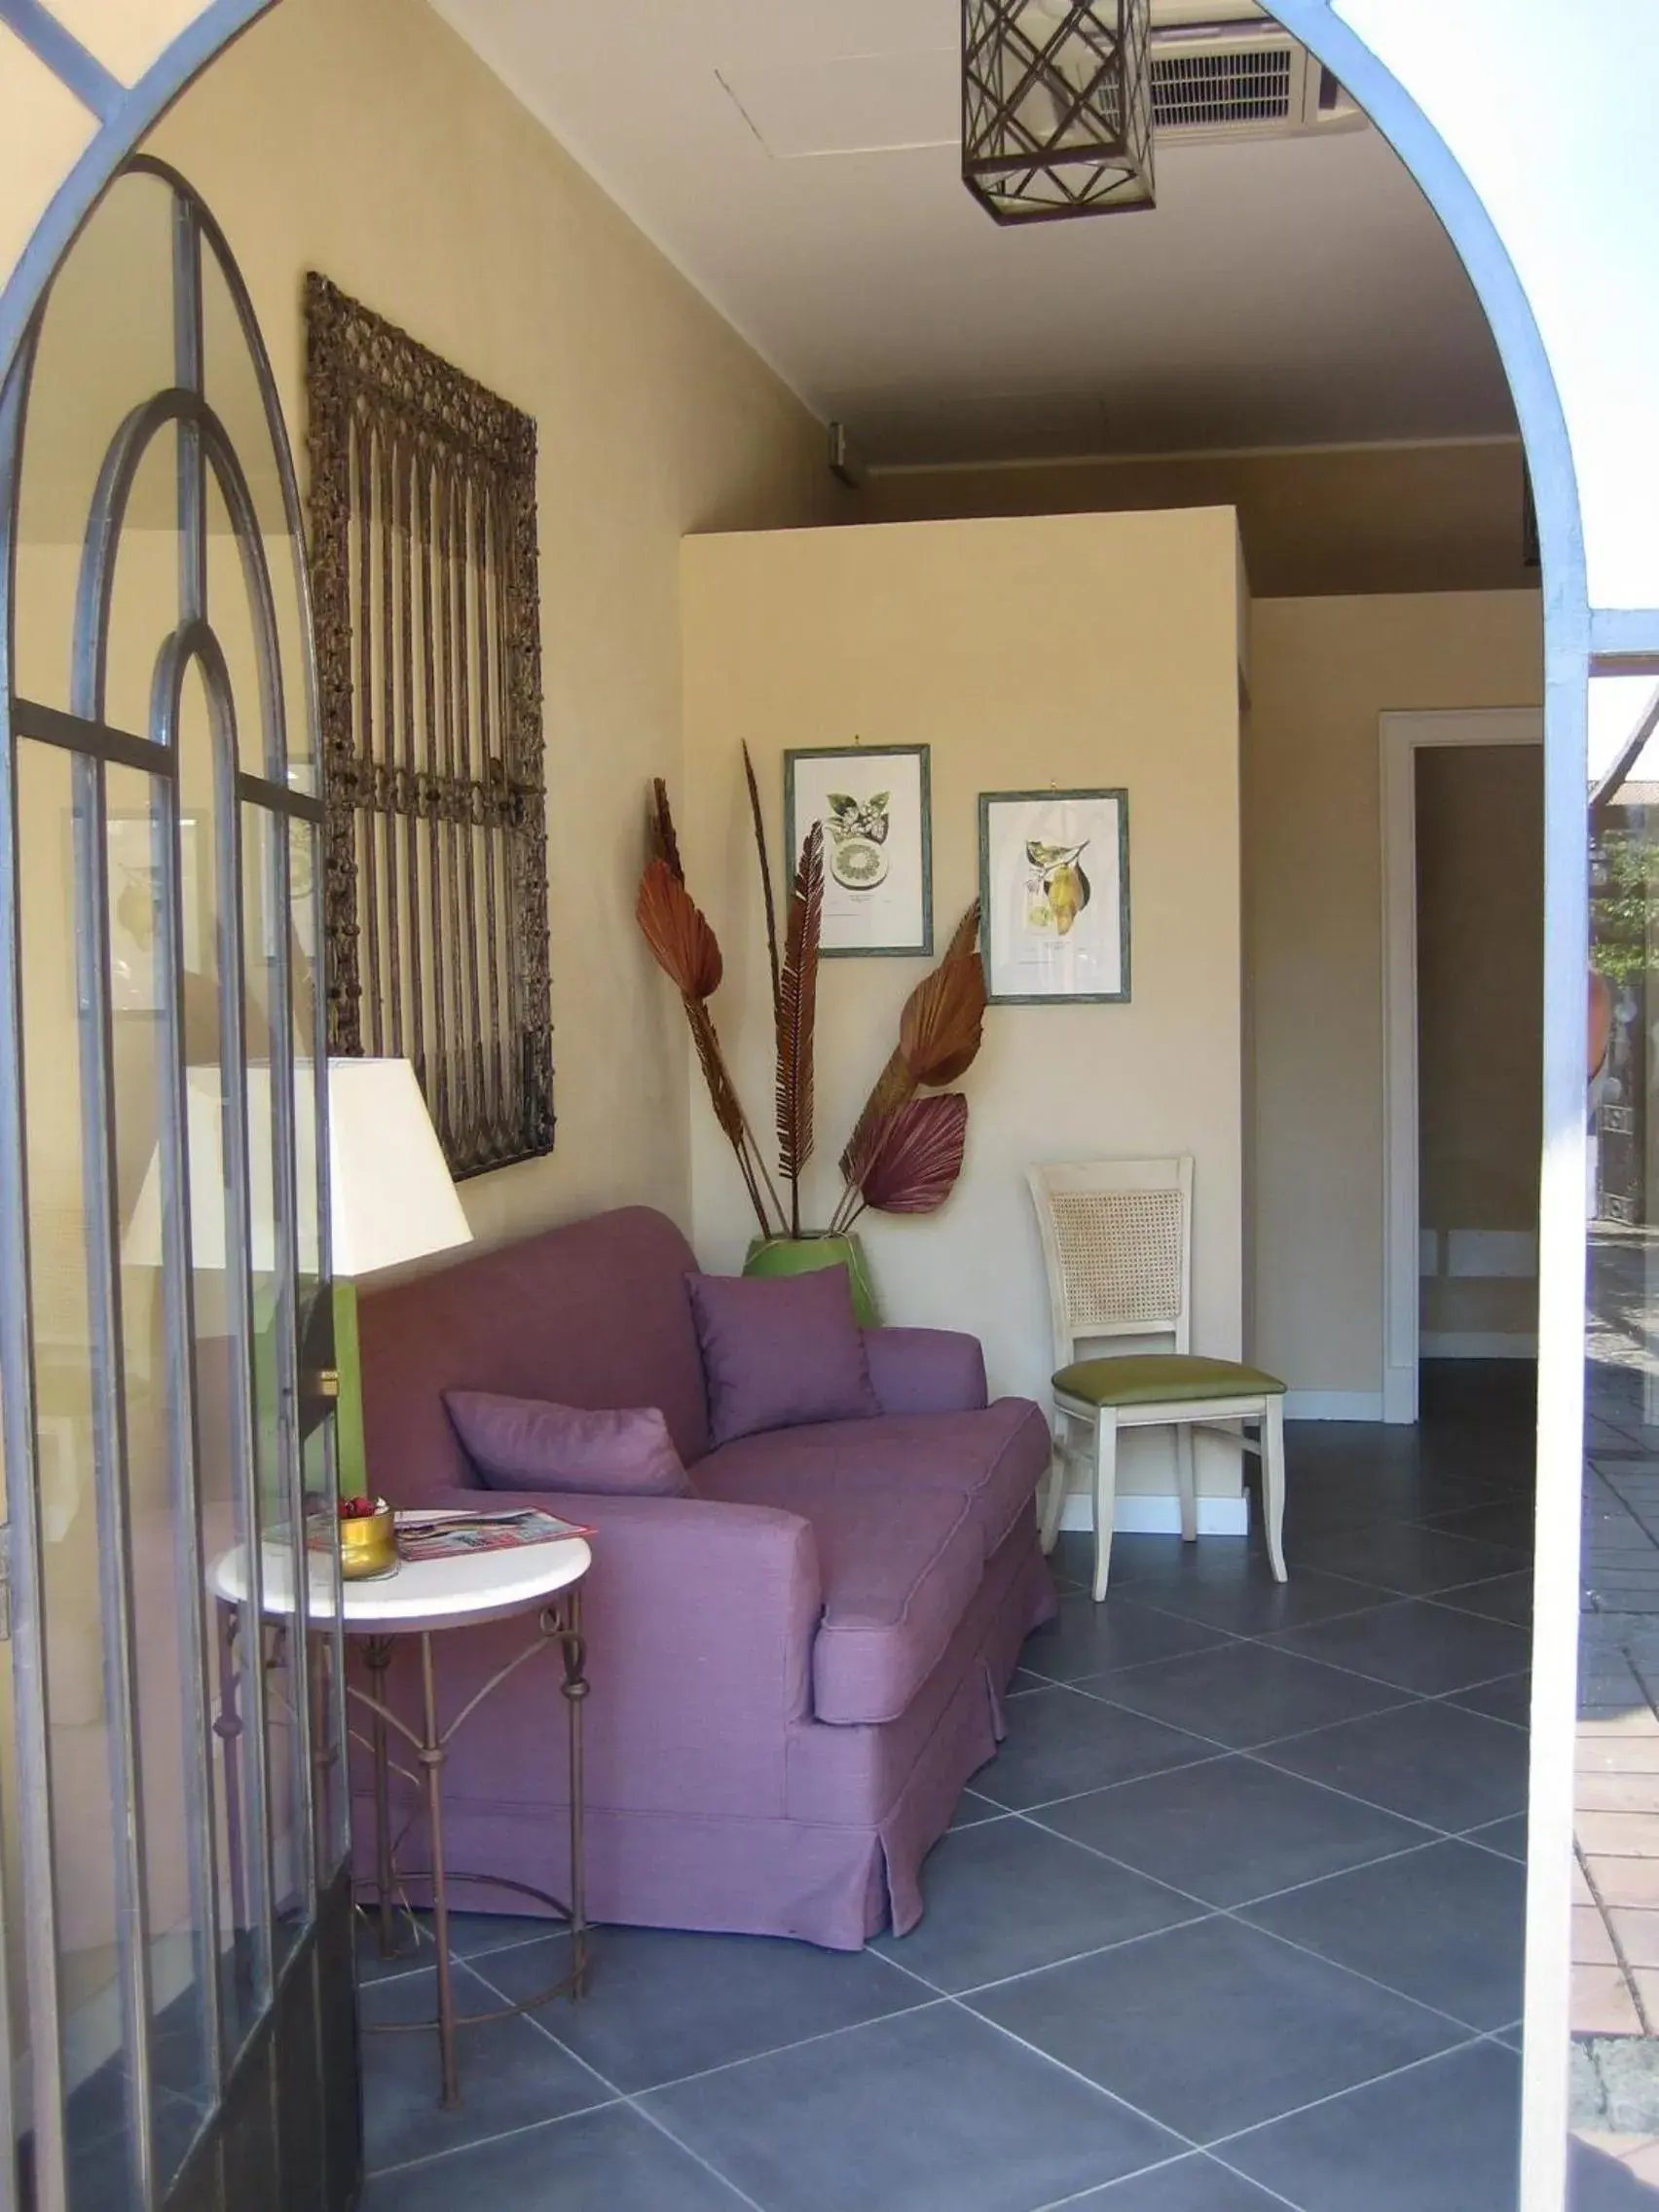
x=559, y=1623
x=377, y=1658
x=432, y=1754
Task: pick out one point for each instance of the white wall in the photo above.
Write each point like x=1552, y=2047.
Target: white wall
x=1085, y=650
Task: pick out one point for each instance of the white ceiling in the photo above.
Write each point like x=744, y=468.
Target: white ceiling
x=797, y=159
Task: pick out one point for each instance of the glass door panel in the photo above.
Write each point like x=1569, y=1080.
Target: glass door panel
x=1615, y=2017
x=173, y=1794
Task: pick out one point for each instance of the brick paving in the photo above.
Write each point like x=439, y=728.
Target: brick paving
x=1615, y=1918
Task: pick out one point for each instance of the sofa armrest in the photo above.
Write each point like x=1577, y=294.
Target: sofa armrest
x=925, y=1370
x=699, y=1619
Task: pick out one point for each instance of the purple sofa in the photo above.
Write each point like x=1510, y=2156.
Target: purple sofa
x=793, y=1670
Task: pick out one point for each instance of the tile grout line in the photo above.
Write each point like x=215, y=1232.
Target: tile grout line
x=482, y=2142
x=1235, y=1914
x=1217, y=2148
x=662, y=2127
x=1195, y=1919
x=1453, y=2019
x=1401, y=1697
x=1379, y=1681
x=1404, y=1698
x=1110, y=2097
x=1165, y=2166
x=1257, y=1753
x=1604, y=1913
x=1431, y=1838
x=1468, y=2040
x=933, y=1999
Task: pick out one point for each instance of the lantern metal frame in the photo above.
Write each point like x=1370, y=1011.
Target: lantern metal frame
x=1094, y=155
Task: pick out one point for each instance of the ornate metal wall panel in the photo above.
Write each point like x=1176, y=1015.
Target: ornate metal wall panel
x=424, y=569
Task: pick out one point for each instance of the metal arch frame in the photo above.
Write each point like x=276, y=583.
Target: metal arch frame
x=1579, y=643
x=94, y=745
x=125, y=113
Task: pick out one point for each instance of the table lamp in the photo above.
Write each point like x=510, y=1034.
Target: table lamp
x=391, y=1199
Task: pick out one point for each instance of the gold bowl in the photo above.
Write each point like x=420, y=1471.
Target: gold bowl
x=368, y=1543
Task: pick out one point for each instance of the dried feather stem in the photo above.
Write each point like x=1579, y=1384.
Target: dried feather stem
x=768, y=899
x=727, y=1108
x=664, y=846
x=797, y=1008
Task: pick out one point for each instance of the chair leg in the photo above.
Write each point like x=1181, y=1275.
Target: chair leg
x=1186, y=1481
x=1053, y=1505
x=1272, y=1483
x=1105, y=1494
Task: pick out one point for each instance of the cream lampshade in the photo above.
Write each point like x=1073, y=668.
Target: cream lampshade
x=392, y=1198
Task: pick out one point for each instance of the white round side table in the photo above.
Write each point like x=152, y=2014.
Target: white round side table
x=422, y=1597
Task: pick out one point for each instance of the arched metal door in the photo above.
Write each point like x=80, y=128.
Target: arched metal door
x=177, y=2021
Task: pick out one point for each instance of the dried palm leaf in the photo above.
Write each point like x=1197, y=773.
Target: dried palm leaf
x=943, y=1019
x=917, y=1155
x=939, y=1031
x=965, y=938
x=664, y=846
x=892, y=1087
x=797, y=1008
x=759, y=821
x=687, y=948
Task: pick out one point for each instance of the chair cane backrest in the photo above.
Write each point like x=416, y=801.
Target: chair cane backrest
x=1118, y=1247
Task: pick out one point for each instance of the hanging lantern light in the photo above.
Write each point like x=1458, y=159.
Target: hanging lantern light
x=1056, y=107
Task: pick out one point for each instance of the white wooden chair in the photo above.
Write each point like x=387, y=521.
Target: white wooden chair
x=1118, y=1247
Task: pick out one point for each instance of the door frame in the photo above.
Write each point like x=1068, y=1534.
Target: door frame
x=1401, y=737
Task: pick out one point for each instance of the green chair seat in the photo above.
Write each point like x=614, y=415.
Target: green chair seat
x=1151, y=1378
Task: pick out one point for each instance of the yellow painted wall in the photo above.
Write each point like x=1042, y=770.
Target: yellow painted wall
x=1085, y=650
x=1442, y=517
x=1322, y=671
x=363, y=138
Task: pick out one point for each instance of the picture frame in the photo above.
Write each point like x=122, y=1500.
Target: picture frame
x=876, y=805
x=1054, y=929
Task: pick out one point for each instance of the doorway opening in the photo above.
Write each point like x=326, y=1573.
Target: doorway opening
x=1312, y=31
x=1462, y=927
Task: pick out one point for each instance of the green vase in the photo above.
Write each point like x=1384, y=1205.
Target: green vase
x=802, y=1255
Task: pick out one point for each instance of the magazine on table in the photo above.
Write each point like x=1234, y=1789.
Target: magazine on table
x=454, y=1533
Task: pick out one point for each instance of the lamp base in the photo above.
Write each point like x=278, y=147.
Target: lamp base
x=350, y=1454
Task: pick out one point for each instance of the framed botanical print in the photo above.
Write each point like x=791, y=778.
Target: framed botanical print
x=1054, y=896
x=876, y=810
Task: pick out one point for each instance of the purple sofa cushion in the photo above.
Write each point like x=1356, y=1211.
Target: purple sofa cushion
x=994, y=1458
x=897, y=1570
x=591, y=1314
x=532, y=1444
x=780, y=1351
x=925, y=1370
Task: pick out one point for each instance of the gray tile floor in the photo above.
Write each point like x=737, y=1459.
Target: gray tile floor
x=1232, y=1921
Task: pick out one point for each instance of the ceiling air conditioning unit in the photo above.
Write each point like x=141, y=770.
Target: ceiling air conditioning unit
x=1241, y=80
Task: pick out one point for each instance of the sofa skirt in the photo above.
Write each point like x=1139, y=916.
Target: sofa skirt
x=809, y=1875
